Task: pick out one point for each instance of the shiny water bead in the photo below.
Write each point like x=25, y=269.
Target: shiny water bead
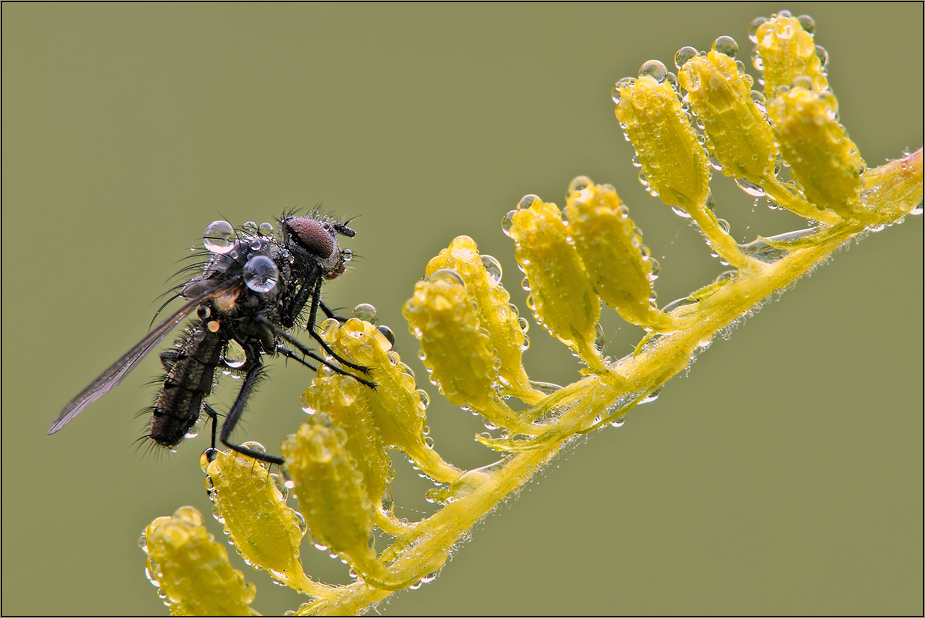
x=823, y=160
x=261, y=274
x=457, y=351
x=606, y=239
x=495, y=313
x=787, y=51
x=736, y=132
x=671, y=156
x=255, y=514
x=192, y=569
x=330, y=490
x=340, y=397
x=563, y=300
x=396, y=407
x=219, y=237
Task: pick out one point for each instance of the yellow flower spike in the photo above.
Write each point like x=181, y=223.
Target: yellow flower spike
x=398, y=410
x=496, y=314
x=736, y=131
x=787, y=51
x=339, y=397
x=674, y=165
x=561, y=296
x=823, y=160
x=192, y=569
x=330, y=492
x=249, y=503
x=457, y=352
x=611, y=250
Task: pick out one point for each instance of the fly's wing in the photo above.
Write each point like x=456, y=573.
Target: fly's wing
x=124, y=365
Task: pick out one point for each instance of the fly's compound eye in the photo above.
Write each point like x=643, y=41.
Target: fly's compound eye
x=313, y=235
x=261, y=274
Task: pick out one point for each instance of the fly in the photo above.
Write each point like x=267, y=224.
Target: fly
x=253, y=290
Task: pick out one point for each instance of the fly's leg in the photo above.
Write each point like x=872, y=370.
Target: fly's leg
x=234, y=415
x=301, y=347
x=329, y=313
x=310, y=325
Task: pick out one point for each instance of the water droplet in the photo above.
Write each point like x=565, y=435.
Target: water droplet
x=753, y=28
x=620, y=85
x=678, y=211
x=600, y=338
x=507, y=222
x=493, y=268
x=723, y=224
x=683, y=55
x=527, y=201
x=726, y=45
x=234, y=356
x=387, y=333
x=579, y=183
x=681, y=302
x=365, y=312
x=808, y=23
x=802, y=81
x=423, y=397
x=749, y=187
x=654, y=69
x=822, y=55
x=651, y=396
x=249, y=228
x=219, y=237
x=618, y=422
x=261, y=274
x=655, y=269
x=257, y=447
x=265, y=229
x=446, y=274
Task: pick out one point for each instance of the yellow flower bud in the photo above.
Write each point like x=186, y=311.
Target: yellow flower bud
x=823, y=160
x=672, y=158
x=736, y=131
x=248, y=501
x=561, y=295
x=192, y=569
x=611, y=250
x=787, y=52
x=330, y=490
x=340, y=397
x=482, y=277
x=457, y=352
x=398, y=409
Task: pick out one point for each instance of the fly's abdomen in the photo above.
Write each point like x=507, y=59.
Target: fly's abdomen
x=188, y=381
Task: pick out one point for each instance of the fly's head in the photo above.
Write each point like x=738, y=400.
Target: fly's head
x=315, y=238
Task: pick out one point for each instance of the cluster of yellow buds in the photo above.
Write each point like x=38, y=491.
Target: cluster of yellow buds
x=472, y=339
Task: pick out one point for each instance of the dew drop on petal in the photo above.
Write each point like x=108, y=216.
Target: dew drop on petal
x=654, y=69
x=727, y=46
x=365, y=312
x=493, y=268
x=683, y=55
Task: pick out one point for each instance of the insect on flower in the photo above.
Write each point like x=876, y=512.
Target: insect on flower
x=253, y=289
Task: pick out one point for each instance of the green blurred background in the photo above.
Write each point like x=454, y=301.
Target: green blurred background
x=784, y=475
